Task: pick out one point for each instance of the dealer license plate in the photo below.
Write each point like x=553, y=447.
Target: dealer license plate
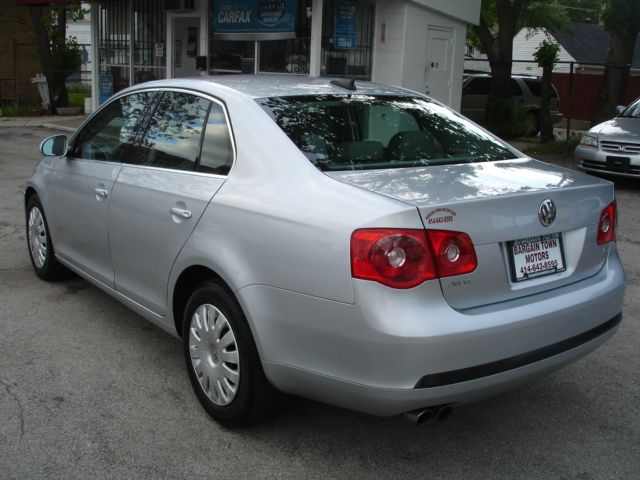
x=536, y=256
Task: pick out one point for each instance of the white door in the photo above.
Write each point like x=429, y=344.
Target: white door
x=185, y=46
x=439, y=64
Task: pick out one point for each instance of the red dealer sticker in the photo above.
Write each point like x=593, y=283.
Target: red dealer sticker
x=440, y=215
x=536, y=256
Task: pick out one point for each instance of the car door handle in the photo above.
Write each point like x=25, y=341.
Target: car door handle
x=180, y=212
x=101, y=192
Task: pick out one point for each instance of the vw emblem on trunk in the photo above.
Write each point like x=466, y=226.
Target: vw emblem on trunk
x=547, y=212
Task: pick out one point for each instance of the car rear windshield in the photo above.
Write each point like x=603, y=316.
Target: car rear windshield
x=354, y=132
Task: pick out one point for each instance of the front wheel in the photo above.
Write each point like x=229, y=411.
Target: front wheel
x=222, y=359
x=41, y=250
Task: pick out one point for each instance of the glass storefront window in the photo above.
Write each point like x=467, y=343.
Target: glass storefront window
x=113, y=44
x=149, y=33
x=355, y=61
x=131, y=44
x=285, y=56
x=277, y=52
x=229, y=56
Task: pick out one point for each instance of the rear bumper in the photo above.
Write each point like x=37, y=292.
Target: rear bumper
x=395, y=351
x=595, y=160
x=522, y=360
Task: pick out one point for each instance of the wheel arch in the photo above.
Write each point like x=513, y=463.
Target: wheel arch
x=29, y=192
x=186, y=283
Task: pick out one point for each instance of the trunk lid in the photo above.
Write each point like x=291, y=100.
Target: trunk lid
x=497, y=203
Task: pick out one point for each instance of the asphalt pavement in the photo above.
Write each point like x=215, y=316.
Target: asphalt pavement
x=88, y=389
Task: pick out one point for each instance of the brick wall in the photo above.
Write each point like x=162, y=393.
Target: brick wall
x=16, y=23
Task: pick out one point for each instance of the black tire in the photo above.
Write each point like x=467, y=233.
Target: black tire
x=49, y=268
x=534, y=123
x=254, y=398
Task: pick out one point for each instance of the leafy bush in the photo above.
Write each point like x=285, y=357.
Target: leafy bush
x=78, y=88
x=507, y=119
x=564, y=147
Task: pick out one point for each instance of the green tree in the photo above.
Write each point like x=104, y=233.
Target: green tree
x=59, y=56
x=500, y=20
x=582, y=10
x=621, y=19
x=546, y=55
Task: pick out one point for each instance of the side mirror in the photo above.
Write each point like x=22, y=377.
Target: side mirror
x=55, y=146
x=620, y=109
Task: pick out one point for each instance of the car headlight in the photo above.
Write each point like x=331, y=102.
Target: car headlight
x=589, y=141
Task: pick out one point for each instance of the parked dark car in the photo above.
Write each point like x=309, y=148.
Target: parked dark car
x=525, y=90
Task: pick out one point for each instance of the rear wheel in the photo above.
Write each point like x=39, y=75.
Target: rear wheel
x=41, y=251
x=222, y=359
x=533, y=124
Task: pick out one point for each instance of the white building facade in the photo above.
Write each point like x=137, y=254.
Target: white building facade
x=419, y=44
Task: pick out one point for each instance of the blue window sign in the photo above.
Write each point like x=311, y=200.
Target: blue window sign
x=105, y=86
x=254, y=19
x=346, y=24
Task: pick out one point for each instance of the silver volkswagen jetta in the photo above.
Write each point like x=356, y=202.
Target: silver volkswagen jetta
x=352, y=243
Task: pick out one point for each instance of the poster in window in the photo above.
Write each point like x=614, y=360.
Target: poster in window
x=346, y=24
x=105, y=86
x=254, y=19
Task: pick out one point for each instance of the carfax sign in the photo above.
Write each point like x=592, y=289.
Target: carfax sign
x=346, y=24
x=254, y=18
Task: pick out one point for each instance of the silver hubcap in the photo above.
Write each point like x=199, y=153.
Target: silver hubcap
x=37, y=237
x=214, y=354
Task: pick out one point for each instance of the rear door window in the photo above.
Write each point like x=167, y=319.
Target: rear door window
x=173, y=137
x=217, y=152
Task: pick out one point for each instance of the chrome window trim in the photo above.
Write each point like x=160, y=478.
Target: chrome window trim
x=174, y=170
x=198, y=93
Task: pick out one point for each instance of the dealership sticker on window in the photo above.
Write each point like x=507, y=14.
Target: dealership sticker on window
x=536, y=256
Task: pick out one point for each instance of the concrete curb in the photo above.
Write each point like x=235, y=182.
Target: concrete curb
x=53, y=126
x=62, y=123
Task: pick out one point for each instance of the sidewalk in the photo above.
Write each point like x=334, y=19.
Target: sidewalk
x=58, y=122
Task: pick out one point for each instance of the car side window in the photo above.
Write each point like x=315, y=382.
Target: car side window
x=217, y=154
x=478, y=86
x=110, y=134
x=173, y=137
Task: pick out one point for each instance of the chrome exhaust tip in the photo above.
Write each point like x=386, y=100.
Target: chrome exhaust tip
x=420, y=416
x=444, y=412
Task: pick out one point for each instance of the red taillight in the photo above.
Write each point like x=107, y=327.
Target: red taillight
x=406, y=258
x=607, y=224
x=454, y=252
